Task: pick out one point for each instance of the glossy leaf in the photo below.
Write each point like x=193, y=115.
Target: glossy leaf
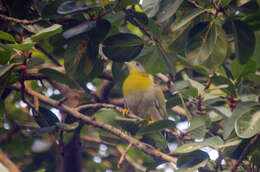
x=248, y=124
x=57, y=76
x=22, y=47
x=122, y=47
x=188, y=18
x=244, y=39
x=151, y=7
x=69, y=7
x=197, y=127
x=6, y=36
x=241, y=108
x=45, y=117
x=221, y=80
x=201, y=43
x=220, y=51
x=141, y=17
x=156, y=126
x=187, y=161
x=242, y=70
x=167, y=9
x=213, y=142
x=76, y=30
x=47, y=32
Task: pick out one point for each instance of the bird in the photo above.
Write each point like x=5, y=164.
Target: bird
x=142, y=96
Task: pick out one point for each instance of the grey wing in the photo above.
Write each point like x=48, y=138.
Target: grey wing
x=160, y=102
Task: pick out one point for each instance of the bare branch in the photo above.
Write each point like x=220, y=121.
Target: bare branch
x=245, y=152
x=51, y=57
x=8, y=163
x=24, y=21
x=150, y=150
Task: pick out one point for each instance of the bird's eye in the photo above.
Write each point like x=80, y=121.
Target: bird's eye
x=137, y=64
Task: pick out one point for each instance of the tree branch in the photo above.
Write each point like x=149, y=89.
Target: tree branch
x=245, y=152
x=24, y=21
x=150, y=150
x=8, y=163
x=51, y=57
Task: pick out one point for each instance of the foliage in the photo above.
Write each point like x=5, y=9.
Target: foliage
x=204, y=54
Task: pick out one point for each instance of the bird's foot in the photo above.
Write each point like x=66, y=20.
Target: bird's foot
x=125, y=111
x=151, y=122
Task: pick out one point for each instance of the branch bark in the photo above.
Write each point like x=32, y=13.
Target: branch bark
x=150, y=150
x=8, y=163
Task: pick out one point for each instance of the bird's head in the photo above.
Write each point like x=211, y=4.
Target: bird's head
x=135, y=67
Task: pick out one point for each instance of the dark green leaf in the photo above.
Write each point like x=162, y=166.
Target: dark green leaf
x=220, y=51
x=167, y=9
x=241, y=108
x=188, y=18
x=201, y=42
x=22, y=47
x=242, y=70
x=69, y=7
x=4, y=57
x=6, y=36
x=151, y=7
x=221, y=80
x=141, y=17
x=156, y=126
x=47, y=32
x=35, y=62
x=244, y=39
x=122, y=47
x=125, y=3
x=107, y=116
x=191, y=159
x=50, y=10
x=60, y=77
x=76, y=30
x=45, y=117
x=248, y=123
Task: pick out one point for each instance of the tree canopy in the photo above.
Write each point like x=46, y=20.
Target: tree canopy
x=62, y=69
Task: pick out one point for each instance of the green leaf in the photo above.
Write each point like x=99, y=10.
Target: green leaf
x=151, y=7
x=213, y=142
x=193, y=168
x=197, y=127
x=243, y=70
x=248, y=124
x=107, y=116
x=221, y=80
x=35, y=62
x=22, y=47
x=125, y=3
x=241, y=108
x=69, y=7
x=141, y=17
x=220, y=51
x=47, y=33
x=201, y=42
x=46, y=117
x=189, y=160
x=188, y=18
x=244, y=39
x=6, y=36
x=156, y=126
x=151, y=60
x=167, y=9
x=6, y=68
x=193, y=92
x=60, y=77
x=4, y=56
x=122, y=47
x=50, y=10
x=81, y=28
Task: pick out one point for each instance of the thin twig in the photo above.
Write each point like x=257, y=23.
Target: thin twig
x=51, y=57
x=110, y=9
x=24, y=21
x=194, y=3
x=150, y=150
x=8, y=163
x=245, y=152
x=123, y=156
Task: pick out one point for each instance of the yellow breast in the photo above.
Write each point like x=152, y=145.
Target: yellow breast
x=140, y=81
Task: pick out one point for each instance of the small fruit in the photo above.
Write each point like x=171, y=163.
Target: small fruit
x=23, y=67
